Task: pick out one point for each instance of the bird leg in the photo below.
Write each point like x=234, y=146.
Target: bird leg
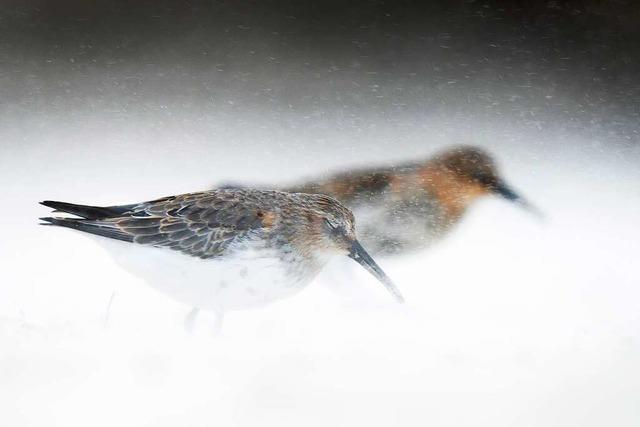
x=219, y=319
x=108, y=310
x=190, y=320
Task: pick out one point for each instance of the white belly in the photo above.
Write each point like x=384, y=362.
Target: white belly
x=251, y=279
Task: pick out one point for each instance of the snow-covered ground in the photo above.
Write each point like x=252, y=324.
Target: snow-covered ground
x=510, y=321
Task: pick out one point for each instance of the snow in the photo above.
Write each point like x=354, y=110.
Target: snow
x=510, y=321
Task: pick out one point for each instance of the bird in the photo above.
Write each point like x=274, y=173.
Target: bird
x=410, y=206
x=225, y=249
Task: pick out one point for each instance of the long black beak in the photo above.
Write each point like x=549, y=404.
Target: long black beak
x=508, y=193
x=360, y=255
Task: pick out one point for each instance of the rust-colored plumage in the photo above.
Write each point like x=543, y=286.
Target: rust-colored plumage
x=412, y=205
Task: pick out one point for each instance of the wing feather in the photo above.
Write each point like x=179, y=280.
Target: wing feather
x=203, y=225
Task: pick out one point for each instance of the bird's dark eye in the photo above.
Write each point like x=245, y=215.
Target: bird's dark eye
x=334, y=228
x=483, y=178
x=332, y=225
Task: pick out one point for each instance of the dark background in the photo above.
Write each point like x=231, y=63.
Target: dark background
x=533, y=61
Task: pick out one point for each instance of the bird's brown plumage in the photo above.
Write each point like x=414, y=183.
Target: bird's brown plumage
x=411, y=205
x=244, y=236
x=207, y=224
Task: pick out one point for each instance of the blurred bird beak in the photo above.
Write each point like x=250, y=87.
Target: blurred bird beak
x=361, y=256
x=505, y=191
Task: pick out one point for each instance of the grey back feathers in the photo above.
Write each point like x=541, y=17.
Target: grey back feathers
x=203, y=225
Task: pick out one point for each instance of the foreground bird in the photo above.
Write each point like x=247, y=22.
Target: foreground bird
x=225, y=249
x=411, y=206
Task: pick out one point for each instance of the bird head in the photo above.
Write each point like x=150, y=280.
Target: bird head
x=332, y=232
x=459, y=176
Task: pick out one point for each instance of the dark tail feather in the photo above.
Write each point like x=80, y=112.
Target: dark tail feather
x=88, y=227
x=88, y=212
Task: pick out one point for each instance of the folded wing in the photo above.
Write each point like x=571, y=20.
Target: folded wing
x=203, y=225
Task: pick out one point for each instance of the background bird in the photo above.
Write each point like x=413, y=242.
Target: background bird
x=410, y=206
x=225, y=249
